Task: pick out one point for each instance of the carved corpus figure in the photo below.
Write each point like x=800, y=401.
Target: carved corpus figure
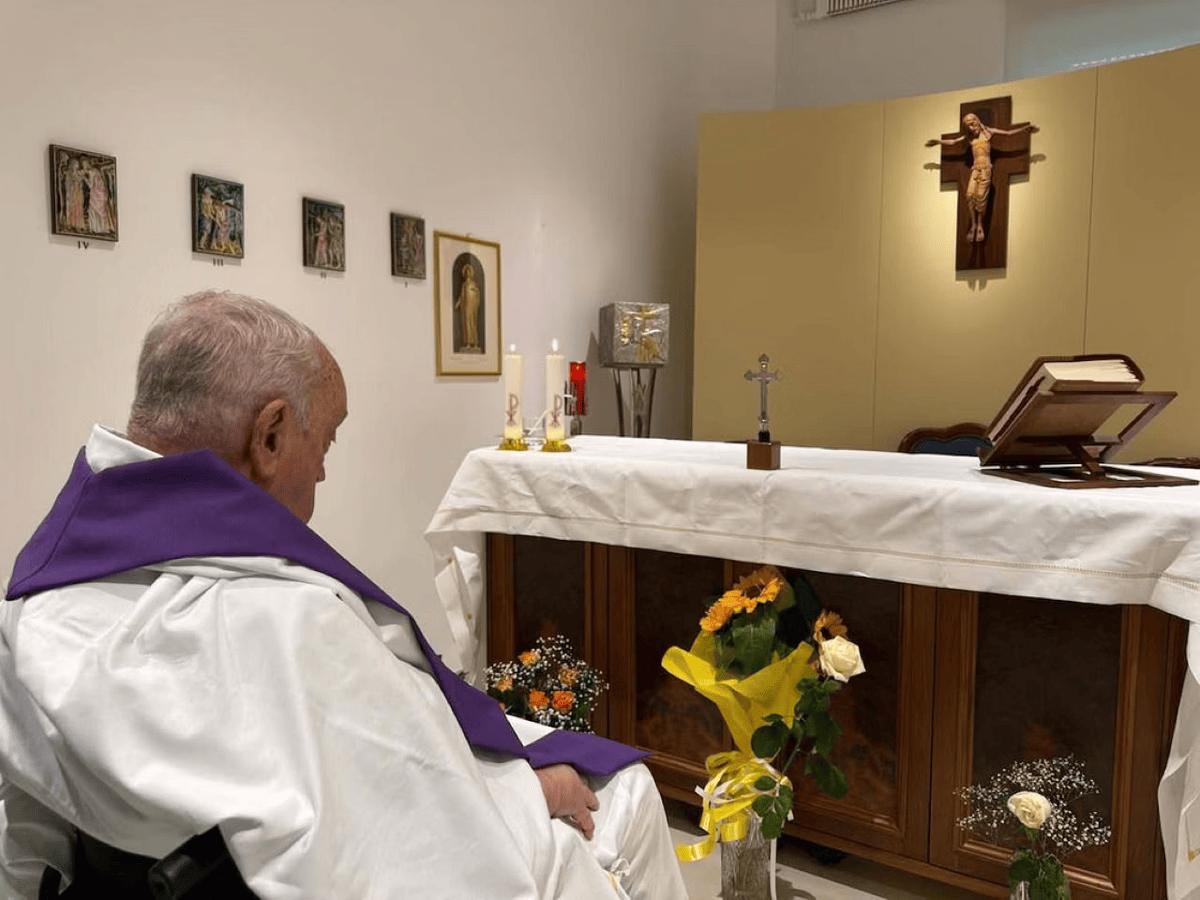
x=979, y=185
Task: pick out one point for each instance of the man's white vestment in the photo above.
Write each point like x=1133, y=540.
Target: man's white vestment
x=271, y=700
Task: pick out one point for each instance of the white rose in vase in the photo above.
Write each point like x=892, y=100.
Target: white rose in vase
x=1031, y=808
x=840, y=659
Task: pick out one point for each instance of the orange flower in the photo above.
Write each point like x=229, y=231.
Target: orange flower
x=529, y=657
x=505, y=683
x=538, y=699
x=760, y=586
x=563, y=700
x=568, y=676
x=717, y=617
x=828, y=625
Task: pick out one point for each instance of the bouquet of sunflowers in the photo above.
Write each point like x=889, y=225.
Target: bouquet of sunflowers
x=549, y=685
x=771, y=659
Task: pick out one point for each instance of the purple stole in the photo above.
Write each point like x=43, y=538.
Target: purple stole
x=196, y=505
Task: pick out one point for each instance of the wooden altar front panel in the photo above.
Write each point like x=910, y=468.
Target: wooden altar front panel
x=957, y=685
x=1025, y=678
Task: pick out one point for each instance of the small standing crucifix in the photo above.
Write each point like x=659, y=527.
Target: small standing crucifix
x=980, y=160
x=764, y=452
x=764, y=378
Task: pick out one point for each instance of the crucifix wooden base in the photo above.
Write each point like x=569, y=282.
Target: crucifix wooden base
x=762, y=455
x=1009, y=154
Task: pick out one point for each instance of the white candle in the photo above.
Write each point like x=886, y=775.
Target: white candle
x=513, y=362
x=556, y=376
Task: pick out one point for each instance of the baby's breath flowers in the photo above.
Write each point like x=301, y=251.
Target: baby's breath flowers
x=548, y=684
x=1030, y=803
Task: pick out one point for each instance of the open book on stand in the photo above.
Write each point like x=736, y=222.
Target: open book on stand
x=1067, y=416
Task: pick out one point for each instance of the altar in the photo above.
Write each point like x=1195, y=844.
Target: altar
x=999, y=621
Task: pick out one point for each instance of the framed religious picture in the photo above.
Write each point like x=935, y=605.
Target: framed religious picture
x=466, y=296
x=83, y=193
x=324, y=235
x=218, y=217
x=408, y=246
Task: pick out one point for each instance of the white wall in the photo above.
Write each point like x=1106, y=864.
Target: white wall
x=564, y=129
x=899, y=50
x=927, y=46
x=1046, y=36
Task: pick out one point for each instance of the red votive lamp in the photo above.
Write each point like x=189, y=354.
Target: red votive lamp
x=578, y=379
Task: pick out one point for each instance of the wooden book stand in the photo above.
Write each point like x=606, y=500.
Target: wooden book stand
x=1051, y=443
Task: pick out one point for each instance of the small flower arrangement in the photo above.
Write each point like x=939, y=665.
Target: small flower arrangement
x=1030, y=802
x=548, y=684
x=771, y=659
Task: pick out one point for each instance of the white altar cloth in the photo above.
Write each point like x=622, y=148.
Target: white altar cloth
x=919, y=519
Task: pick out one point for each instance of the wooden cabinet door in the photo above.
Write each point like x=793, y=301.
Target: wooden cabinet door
x=1019, y=678
x=538, y=587
x=656, y=600
x=885, y=716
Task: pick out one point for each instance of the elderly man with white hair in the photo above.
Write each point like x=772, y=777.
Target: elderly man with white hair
x=181, y=652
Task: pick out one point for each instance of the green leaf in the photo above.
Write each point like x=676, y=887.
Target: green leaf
x=754, y=640
x=772, y=825
x=763, y=805
x=811, y=699
x=1024, y=867
x=726, y=652
x=773, y=717
x=829, y=778
x=1051, y=881
x=786, y=796
x=824, y=732
x=768, y=740
x=765, y=783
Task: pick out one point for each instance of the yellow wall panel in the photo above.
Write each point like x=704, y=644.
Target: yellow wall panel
x=1144, y=298
x=952, y=346
x=825, y=239
x=787, y=264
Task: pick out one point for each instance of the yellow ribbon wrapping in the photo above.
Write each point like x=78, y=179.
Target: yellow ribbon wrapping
x=743, y=704
x=728, y=796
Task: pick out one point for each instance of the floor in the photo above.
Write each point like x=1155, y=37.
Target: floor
x=801, y=878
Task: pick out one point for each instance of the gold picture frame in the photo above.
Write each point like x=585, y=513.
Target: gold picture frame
x=466, y=305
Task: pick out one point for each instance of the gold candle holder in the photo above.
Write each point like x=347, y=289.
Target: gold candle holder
x=556, y=446
x=513, y=444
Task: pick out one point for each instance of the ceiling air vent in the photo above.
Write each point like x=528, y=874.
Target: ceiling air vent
x=837, y=7
x=821, y=9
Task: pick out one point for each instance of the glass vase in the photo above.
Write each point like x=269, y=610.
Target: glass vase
x=747, y=870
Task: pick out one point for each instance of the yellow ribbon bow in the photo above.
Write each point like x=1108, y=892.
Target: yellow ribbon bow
x=728, y=796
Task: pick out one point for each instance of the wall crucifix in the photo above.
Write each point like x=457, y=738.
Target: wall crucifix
x=981, y=159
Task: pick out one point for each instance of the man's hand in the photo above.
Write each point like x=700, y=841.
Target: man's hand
x=568, y=797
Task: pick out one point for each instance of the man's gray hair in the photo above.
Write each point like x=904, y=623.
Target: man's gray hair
x=211, y=361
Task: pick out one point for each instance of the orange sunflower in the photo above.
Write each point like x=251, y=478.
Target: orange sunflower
x=760, y=587
x=828, y=626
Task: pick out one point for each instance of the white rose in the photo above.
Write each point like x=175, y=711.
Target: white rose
x=840, y=659
x=1032, y=809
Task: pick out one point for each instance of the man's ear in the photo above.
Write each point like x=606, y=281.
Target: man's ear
x=266, y=441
